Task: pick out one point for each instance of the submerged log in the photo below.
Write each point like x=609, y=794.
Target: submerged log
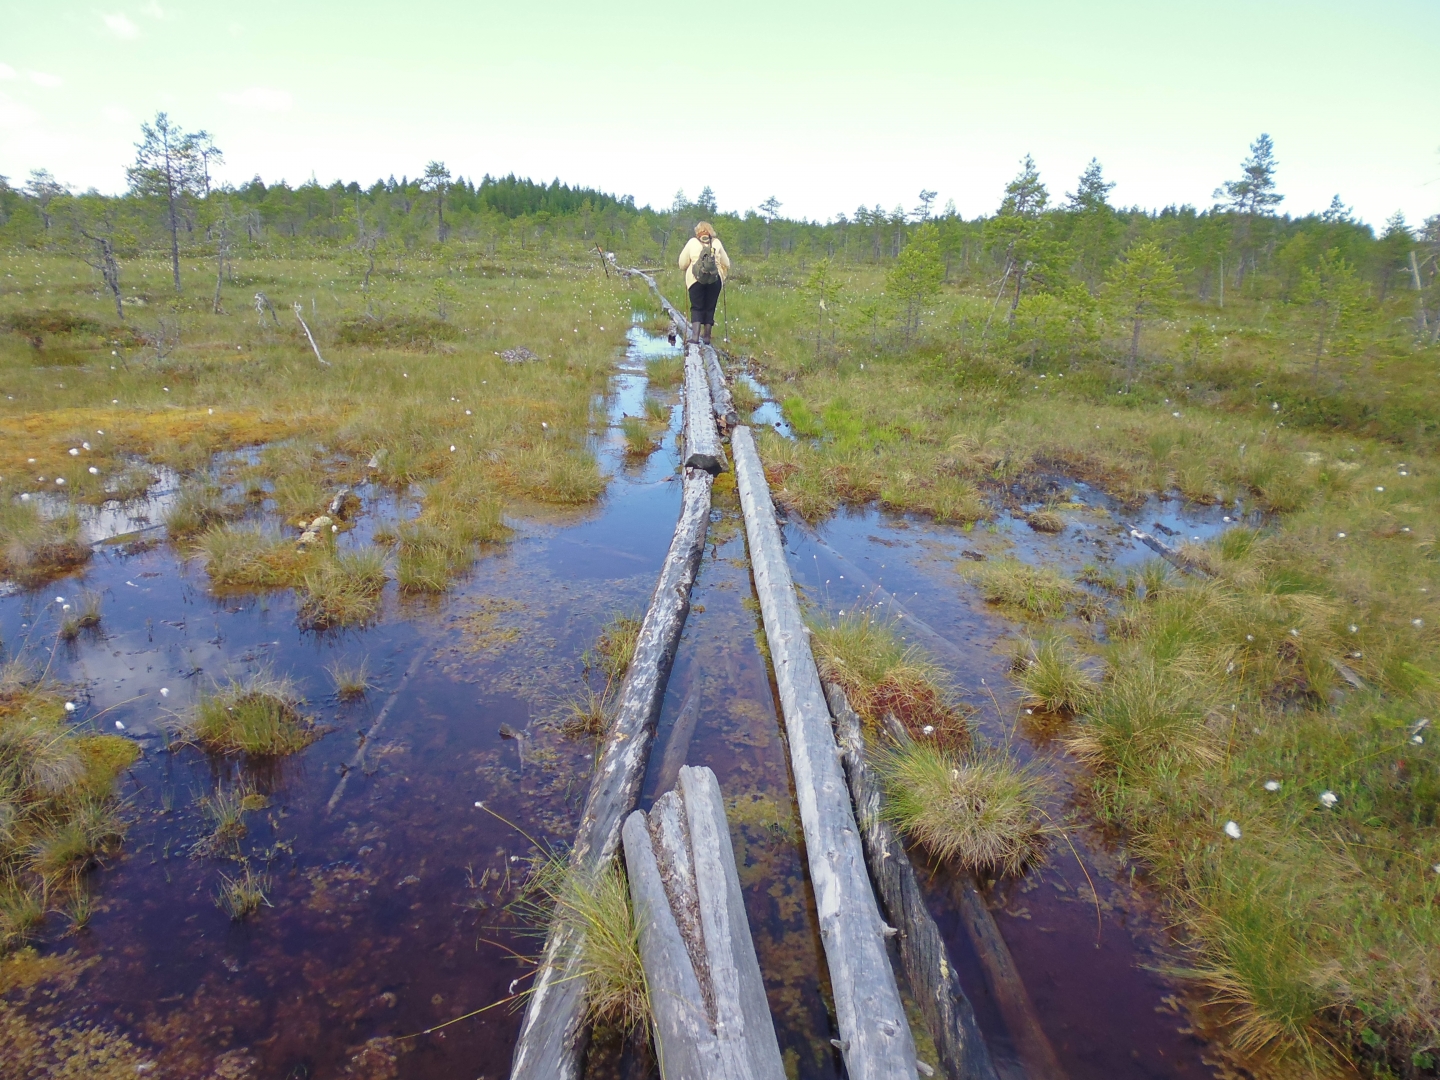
x=1037, y=1055
x=702, y=441
x=720, y=399
x=707, y=997
x=677, y=743
x=874, y=1031
x=552, y=1037
x=928, y=968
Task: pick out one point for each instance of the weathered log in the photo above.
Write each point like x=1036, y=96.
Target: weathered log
x=670, y=309
x=720, y=399
x=874, y=1032
x=702, y=441
x=934, y=982
x=707, y=997
x=552, y=1036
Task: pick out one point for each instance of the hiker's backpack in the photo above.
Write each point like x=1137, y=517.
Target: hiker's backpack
x=707, y=270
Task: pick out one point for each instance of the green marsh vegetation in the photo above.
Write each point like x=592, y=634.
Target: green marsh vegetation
x=972, y=805
x=58, y=808
x=259, y=715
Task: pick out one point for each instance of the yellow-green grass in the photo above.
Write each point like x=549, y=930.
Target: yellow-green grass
x=982, y=811
x=58, y=809
x=351, y=681
x=1024, y=588
x=881, y=674
x=259, y=716
x=1053, y=677
x=33, y=547
x=242, y=895
x=342, y=590
x=236, y=381
x=596, y=907
x=1317, y=928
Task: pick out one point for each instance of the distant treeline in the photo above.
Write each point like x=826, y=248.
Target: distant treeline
x=1032, y=244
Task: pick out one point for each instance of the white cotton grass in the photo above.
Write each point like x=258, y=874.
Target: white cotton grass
x=1272, y=785
x=1232, y=830
x=164, y=691
x=70, y=706
x=1328, y=799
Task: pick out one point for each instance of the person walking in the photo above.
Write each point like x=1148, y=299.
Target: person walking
x=706, y=267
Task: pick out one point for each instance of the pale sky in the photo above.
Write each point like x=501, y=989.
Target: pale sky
x=822, y=104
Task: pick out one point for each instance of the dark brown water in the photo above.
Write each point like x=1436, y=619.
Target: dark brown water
x=389, y=913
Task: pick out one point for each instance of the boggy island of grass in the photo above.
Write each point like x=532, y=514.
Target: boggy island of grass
x=329, y=516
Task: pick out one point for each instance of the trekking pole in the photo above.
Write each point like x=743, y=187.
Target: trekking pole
x=725, y=299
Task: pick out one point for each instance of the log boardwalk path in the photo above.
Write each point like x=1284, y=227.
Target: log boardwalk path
x=709, y=1010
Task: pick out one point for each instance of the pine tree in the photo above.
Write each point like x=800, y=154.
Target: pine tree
x=169, y=166
x=1141, y=286
x=1335, y=297
x=916, y=276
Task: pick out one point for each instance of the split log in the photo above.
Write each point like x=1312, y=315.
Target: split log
x=702, y=441
x=670, y=309
x=552, y=1036
x=707, y=997
x=720, y=398
x=874, y=1031
x=931, y=973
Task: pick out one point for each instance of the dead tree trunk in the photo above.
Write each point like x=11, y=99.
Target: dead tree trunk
x=707, y=997
x=874, y=1032
x=928, y=967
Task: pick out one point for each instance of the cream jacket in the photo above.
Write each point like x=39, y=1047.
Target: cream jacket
x=690, y=255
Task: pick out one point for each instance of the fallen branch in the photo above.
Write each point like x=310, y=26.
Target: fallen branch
x=309, y=335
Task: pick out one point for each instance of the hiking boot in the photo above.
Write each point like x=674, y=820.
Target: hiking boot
x=705, y=329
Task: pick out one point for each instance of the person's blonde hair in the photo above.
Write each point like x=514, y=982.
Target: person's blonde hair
x=704, y=227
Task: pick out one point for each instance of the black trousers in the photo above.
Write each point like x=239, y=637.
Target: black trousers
x=702, y=302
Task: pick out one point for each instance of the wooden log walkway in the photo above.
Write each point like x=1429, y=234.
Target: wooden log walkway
x=553, y=1034
x=707, y=997
x=875, y=1036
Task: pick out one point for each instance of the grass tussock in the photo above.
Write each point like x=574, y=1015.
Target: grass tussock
x=589, y=713
x=639, y=435
x=597, y=908
x=34, y=548
x=882, y=674
x=242, y=895
x=1053, y=677
x=351, y=681
x=241, y=557
x=259, y=716
x=1031, y=590
x=197, y=508
x=58, y=810
x=982, y=811
x=665, y=372
x=343, y=590
x=82, y=618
